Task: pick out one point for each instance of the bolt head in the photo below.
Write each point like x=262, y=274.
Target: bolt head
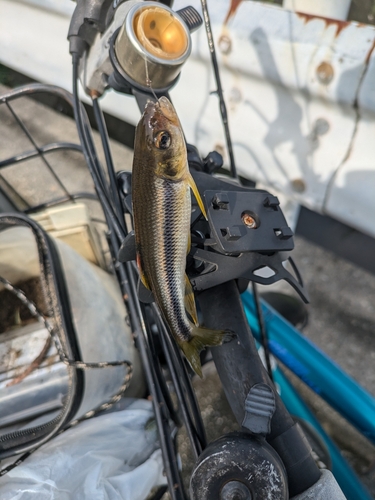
x=235, y=490
x=249, y=220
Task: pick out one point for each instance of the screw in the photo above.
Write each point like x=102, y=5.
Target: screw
x=235, y=490
x=249, y=220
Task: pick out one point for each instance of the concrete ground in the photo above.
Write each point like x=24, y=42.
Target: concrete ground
x=341, y=312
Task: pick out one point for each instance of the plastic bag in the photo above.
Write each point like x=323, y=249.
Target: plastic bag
x=115, y=456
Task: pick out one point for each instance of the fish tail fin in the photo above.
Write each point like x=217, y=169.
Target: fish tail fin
x=201, y=338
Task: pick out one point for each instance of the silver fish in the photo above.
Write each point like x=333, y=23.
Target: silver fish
x=161, y=184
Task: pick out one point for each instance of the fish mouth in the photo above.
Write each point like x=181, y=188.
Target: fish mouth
x=149, y=108
x=168, y=110
x=161, y=109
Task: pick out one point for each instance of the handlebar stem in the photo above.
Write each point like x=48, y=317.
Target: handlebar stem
x=240, y=368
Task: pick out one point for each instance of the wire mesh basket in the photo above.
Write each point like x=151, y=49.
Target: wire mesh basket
x=43, y=172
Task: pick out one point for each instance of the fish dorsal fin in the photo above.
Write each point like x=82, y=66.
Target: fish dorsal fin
x=190, y=301
x=144, y=294
x=194, y=188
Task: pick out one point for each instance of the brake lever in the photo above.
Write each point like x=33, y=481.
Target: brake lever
x=88, y=19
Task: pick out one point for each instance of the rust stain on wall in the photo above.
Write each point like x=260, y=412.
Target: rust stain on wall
x=232, y=9
x=367, y=59
x=340, y=25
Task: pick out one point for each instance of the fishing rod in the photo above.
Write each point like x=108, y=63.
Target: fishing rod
x=219, y=90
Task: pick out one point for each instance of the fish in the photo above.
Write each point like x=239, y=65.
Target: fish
x=161, y=199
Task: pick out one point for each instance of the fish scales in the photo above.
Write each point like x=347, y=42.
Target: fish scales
x=164, y=225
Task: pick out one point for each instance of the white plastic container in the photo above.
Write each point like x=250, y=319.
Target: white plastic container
x=99, y=318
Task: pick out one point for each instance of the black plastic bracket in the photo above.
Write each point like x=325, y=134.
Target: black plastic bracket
x=219, y=268
x=234, y=250
x=247, y=222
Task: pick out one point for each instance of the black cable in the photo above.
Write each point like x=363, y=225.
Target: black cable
x=126, y=279
x=89, y=152
x=176, y=380
x=262, y=328
x=161, y=379
x=184, y=379
x=169, y=456
x=199, y=426
x=219, y=91
x=99, y=118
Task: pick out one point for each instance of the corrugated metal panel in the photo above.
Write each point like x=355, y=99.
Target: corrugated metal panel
x=299, y=90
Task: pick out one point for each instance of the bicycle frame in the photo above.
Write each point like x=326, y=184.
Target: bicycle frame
x=325, y=378
x=315, y=368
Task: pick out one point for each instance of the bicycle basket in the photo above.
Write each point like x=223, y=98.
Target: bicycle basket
x=49, y=351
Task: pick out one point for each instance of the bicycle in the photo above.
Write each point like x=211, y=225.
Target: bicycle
x=215, y=304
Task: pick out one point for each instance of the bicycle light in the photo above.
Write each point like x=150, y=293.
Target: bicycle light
x=152, y=45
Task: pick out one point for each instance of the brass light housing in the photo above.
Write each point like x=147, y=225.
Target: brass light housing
x=152, y=45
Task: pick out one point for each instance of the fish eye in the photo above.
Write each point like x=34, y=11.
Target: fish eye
x=162, y=140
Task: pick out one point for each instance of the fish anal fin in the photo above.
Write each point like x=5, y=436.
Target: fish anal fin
x=191, y=350
x=194, y=188
x=190, y=301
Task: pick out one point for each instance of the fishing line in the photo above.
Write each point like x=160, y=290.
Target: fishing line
x=149, y=81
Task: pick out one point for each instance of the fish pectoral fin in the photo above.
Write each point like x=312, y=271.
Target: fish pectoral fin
x=127, y=250
x=190, y=301
x=201, y=338
x=145, y=295
x=194, y=188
